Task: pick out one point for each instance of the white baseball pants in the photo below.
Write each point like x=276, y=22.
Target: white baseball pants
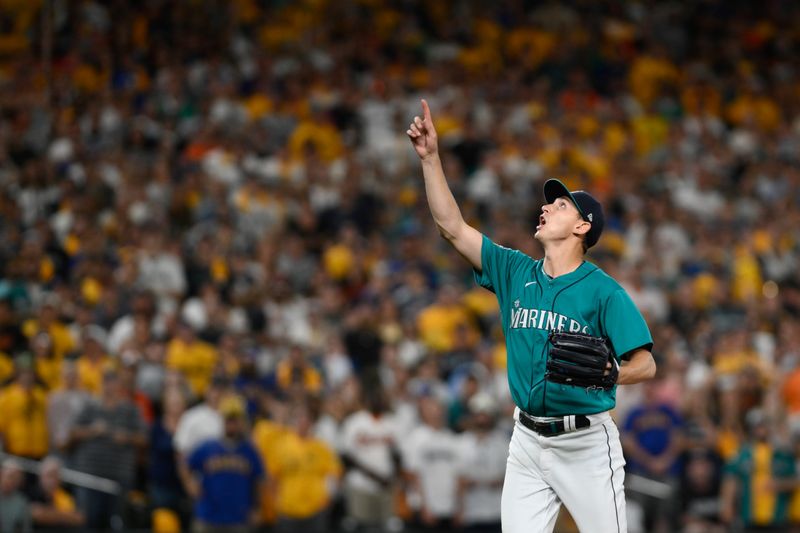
x=582, y=469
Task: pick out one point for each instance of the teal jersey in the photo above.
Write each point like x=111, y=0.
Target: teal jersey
x=532, y=304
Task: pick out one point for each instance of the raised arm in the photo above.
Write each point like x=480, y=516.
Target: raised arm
x=452, y=227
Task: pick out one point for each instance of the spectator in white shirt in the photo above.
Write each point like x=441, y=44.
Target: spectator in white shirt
x=199, y=424
x=370, y=455
x=431, y=456
x=481, y=469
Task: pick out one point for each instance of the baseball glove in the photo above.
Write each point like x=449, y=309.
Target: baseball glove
x=580, y=360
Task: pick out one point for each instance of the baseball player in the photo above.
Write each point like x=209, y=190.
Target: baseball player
x=568, y=325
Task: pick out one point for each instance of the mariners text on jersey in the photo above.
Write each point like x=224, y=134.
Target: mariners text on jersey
x=543, y=319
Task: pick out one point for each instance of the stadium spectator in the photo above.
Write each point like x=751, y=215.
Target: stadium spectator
x=458, y=412
x=15, y=513
x=165, y=487
x=12, y=340
x=296, y=377
x=127, y=375
x=107, y=437
x=52, y=507
x=759, y=481
x=47, y=366
x=653, y=440
x=48, y=323
x=192, y=357
x=371, y=455
x=94, y=361
x=306, y=476
x=482, y=468
x=203, y=421
x=228, y=476
x=23, y=403
x=699, y=491
x=431, y=457
x=63, y=407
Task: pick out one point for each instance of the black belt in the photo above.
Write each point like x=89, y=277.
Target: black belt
x=567, y=424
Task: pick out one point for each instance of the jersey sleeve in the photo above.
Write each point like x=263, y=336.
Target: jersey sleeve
x=624, y=325
x=497, y=264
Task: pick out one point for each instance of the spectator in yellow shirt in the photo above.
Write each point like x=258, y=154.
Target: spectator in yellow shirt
x=296, y=375
x=266, y=433
x=48, y=322
x=94, y=361
x=23, y=414
x=318, y=134
x=306, y=471
x=441, y=322
x=193, y=358
x=46, y=365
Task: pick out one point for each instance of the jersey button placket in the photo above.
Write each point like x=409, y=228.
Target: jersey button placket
x=547, y=296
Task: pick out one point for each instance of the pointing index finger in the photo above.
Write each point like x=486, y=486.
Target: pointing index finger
x=426, y=111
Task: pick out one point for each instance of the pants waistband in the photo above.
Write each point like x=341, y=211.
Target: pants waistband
x=553, y=426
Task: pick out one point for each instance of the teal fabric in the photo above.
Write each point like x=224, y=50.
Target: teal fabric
x=532, y=304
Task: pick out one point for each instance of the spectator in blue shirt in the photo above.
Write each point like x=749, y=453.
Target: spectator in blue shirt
x=653, y=441
x=228, y=476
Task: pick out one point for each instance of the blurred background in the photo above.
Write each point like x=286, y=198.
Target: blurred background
x=224, y=305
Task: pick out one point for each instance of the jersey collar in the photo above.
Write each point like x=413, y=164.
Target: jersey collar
x=584, y=268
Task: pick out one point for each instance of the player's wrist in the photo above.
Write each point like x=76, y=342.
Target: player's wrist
x=431, y=158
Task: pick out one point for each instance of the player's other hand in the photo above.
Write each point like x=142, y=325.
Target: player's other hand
x=423, y=134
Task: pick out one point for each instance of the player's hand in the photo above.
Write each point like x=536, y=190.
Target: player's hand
x=609, y=367
x=423, y=134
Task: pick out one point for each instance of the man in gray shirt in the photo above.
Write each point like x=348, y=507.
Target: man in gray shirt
x=63, y=407
x=106, y=436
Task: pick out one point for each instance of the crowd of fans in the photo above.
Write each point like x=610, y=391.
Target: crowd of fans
x=221, y=289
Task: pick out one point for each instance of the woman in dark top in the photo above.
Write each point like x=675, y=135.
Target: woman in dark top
x=166, y=490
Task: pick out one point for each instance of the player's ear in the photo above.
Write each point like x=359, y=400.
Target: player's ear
x=581, y=227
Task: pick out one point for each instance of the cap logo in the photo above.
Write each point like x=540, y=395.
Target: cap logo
x=590, y=216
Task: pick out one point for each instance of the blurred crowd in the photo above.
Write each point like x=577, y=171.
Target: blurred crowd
x=221, y=289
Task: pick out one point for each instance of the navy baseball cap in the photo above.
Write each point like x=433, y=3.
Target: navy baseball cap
x=589, y=208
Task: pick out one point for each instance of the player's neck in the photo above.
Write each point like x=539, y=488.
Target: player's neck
x=560, y=260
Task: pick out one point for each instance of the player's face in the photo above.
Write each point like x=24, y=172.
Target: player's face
x=558, y=220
